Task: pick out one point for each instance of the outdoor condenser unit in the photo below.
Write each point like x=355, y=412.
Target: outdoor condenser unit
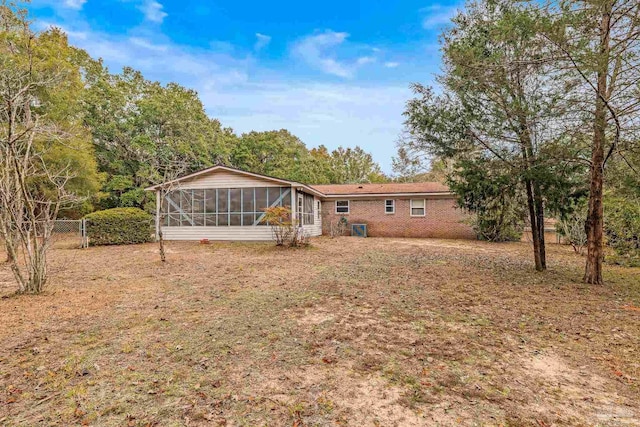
x=359, y=230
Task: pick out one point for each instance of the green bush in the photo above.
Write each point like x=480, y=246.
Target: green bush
x=494, y=227
x=622, y=228
x=119, y=226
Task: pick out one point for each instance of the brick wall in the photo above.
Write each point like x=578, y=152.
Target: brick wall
x=442, y=220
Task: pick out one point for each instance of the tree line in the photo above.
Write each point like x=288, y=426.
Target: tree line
x=130, y=132
x=536, y=115
x=144, y=133
x=75, y=138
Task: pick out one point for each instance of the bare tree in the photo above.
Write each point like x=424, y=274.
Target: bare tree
x=31, y=190
x=169, y=184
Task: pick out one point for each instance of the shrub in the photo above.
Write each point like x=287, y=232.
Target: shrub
x=284, y=231
x=337, y=226
x=571, y=228
x=119, y=226
x=494, y=226
x=622, y=228
x=572, y=231
x=489, y=191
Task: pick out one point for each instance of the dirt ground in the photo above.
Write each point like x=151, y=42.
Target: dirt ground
x=357, y=332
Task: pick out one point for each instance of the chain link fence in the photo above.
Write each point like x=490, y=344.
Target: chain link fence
x=69, y=233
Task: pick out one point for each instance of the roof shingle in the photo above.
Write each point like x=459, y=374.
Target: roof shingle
x=387, y=188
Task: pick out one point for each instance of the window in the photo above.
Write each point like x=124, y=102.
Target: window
x=417, y=207
x=389, y=206
x=222, y=206
x=308, y=210
x=319, y=209
x=342, y=206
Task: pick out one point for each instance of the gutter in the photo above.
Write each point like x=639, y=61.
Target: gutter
x=390, y=195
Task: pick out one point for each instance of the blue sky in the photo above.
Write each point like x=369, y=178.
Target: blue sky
x=332, y=72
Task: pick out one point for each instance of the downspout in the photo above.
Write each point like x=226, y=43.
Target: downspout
x=158, y=205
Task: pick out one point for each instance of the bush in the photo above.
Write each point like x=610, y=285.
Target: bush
x=338, y=226
x=571, y=228
x=489, y=191
x=119, y=226
x=572, y=231
x=622, y=228
x=284, y=231
x=493, y=226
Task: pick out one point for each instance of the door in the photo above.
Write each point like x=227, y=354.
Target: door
x=300, y=210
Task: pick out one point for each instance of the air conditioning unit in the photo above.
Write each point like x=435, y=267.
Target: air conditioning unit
x=359, y=230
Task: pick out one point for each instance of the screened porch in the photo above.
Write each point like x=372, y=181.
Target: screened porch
x=220, y=207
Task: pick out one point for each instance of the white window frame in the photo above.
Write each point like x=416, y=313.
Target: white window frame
x=348, y=207
x=424, y=207
x=392, y=206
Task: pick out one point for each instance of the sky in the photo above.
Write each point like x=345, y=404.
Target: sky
x=333, y=72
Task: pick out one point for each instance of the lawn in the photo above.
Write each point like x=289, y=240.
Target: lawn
x=358, y=332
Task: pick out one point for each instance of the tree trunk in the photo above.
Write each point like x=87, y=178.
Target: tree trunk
x=595, y=219
x=535, y=229
x=534, y=194
x=595, y=216
x=535, y=205
x=539, y=210
x=594, y=224
x=9, y=258
x=163, y=256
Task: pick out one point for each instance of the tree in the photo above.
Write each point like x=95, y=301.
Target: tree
x=499, y=104
x=314, y=168
x=283, y=155
x=46, y=158
x=623, y=229
x=410, y=167
x=486, y=188
x=354, y=165
x=132, y=120
x=273, y=153
x=599, y=42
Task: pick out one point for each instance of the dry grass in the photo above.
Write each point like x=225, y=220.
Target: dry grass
x=375, y=332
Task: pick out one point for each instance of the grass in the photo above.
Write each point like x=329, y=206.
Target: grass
x=350, y=332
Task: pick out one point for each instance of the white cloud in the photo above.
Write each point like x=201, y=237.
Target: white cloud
x=391, y=64
x=319, y=113
x=159, y=58
x=437, y=16
x=365, y=60
x=146, y=44
x=45, y=25
x=262, y=40
x=74, y=4
x=316, y=50
x=153, y=11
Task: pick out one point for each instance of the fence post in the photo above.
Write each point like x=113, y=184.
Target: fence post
x=83, y=233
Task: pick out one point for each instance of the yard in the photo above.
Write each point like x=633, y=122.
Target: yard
x=358, y=332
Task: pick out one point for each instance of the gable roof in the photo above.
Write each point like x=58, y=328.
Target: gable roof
x=234, y=170
x=353, y=190
x=383, y=189
x=213, y=169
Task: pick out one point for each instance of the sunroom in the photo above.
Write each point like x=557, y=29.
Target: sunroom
x=223, y=203
x=221, y=207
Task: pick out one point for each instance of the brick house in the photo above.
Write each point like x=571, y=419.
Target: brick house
x=223, y=203
x=425, y=209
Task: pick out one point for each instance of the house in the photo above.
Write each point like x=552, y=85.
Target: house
x=420, y=209
x=223, y=203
